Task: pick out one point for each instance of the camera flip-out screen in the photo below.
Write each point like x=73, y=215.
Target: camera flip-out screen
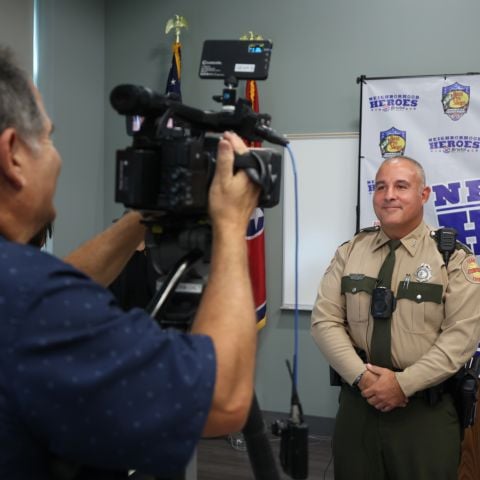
x=242, y=59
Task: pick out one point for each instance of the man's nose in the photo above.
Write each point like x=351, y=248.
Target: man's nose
x=389, y=192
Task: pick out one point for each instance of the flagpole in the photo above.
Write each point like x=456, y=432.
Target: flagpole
x=177, y=23
x=254, y=432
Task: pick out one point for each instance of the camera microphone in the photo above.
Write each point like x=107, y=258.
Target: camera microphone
x=268, y=134
x=137, y=100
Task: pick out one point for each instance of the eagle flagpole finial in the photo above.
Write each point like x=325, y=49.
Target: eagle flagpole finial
x=178, y=22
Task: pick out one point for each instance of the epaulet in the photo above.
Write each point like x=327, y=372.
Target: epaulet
x=363, y=230
x=461, y=246
x=374, y=229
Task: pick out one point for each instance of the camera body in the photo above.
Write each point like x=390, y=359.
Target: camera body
x=170, y=176
x=171, y=162
x=293, y=447
x=172, y=173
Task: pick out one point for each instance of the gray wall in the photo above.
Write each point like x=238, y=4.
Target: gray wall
x=16, y=29
x=320, y=47
x=72, y=81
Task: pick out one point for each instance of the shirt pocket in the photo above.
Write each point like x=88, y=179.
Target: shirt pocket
x=358, y=293
x=420, y=306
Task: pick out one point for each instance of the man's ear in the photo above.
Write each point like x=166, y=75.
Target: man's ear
x=11, y=165
x=426, y=194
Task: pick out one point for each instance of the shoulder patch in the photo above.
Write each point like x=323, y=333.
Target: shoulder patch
x=471, y=270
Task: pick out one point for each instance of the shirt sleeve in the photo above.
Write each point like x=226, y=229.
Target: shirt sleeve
x=103, y=387
x=460, y=331
x=329, y=321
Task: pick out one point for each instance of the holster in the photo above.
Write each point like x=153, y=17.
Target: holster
x=463, y=387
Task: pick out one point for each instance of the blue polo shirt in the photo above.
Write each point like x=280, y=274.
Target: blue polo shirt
x=85, y=381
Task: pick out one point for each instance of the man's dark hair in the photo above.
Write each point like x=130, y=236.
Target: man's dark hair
x=18, y=106
x=40, y=239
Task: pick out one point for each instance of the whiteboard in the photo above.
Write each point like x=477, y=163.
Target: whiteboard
x=327, y=174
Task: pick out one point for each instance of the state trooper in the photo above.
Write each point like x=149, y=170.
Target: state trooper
x=396, y=319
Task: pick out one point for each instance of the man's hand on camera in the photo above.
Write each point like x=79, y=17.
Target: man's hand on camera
x=232, y=197
x=227, y=312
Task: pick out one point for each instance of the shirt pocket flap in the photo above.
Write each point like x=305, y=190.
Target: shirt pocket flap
x=420, y=292
x=358, y=283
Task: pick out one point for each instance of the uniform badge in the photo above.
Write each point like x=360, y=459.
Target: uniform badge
x=423, y=273
x=471, y=270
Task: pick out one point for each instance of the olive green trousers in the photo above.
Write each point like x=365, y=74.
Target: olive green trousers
x=417, y=442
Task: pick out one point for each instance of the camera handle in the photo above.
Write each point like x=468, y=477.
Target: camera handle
x=254, y=168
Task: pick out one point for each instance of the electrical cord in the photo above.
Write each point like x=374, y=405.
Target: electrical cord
x=296, y=250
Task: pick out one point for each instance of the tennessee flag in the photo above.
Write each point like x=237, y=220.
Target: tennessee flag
x=256, y=235
x=256, y=261
x=173, y=81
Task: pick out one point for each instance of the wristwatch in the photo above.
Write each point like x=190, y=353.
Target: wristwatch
x=357, y=381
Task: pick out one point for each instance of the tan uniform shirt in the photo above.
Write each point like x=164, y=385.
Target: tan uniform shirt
x=435, y=326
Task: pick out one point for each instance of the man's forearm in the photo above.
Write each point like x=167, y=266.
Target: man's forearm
x=103, y=257
x=227, y=315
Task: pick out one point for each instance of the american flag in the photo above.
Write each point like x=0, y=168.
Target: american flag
x=173, y=81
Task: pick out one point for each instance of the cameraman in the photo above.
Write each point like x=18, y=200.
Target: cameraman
x=80, y=379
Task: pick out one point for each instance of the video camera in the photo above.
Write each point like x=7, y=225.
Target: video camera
x=169, y=168
x=167, y=171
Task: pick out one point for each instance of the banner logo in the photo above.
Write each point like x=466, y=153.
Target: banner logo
x=454, y=144
x=457, y=205
x=393, y=142
x=393, y=102
x=371, y=186
x=455, y=100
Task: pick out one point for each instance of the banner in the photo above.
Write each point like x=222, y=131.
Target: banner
x=435, y=120
x=256, y=234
